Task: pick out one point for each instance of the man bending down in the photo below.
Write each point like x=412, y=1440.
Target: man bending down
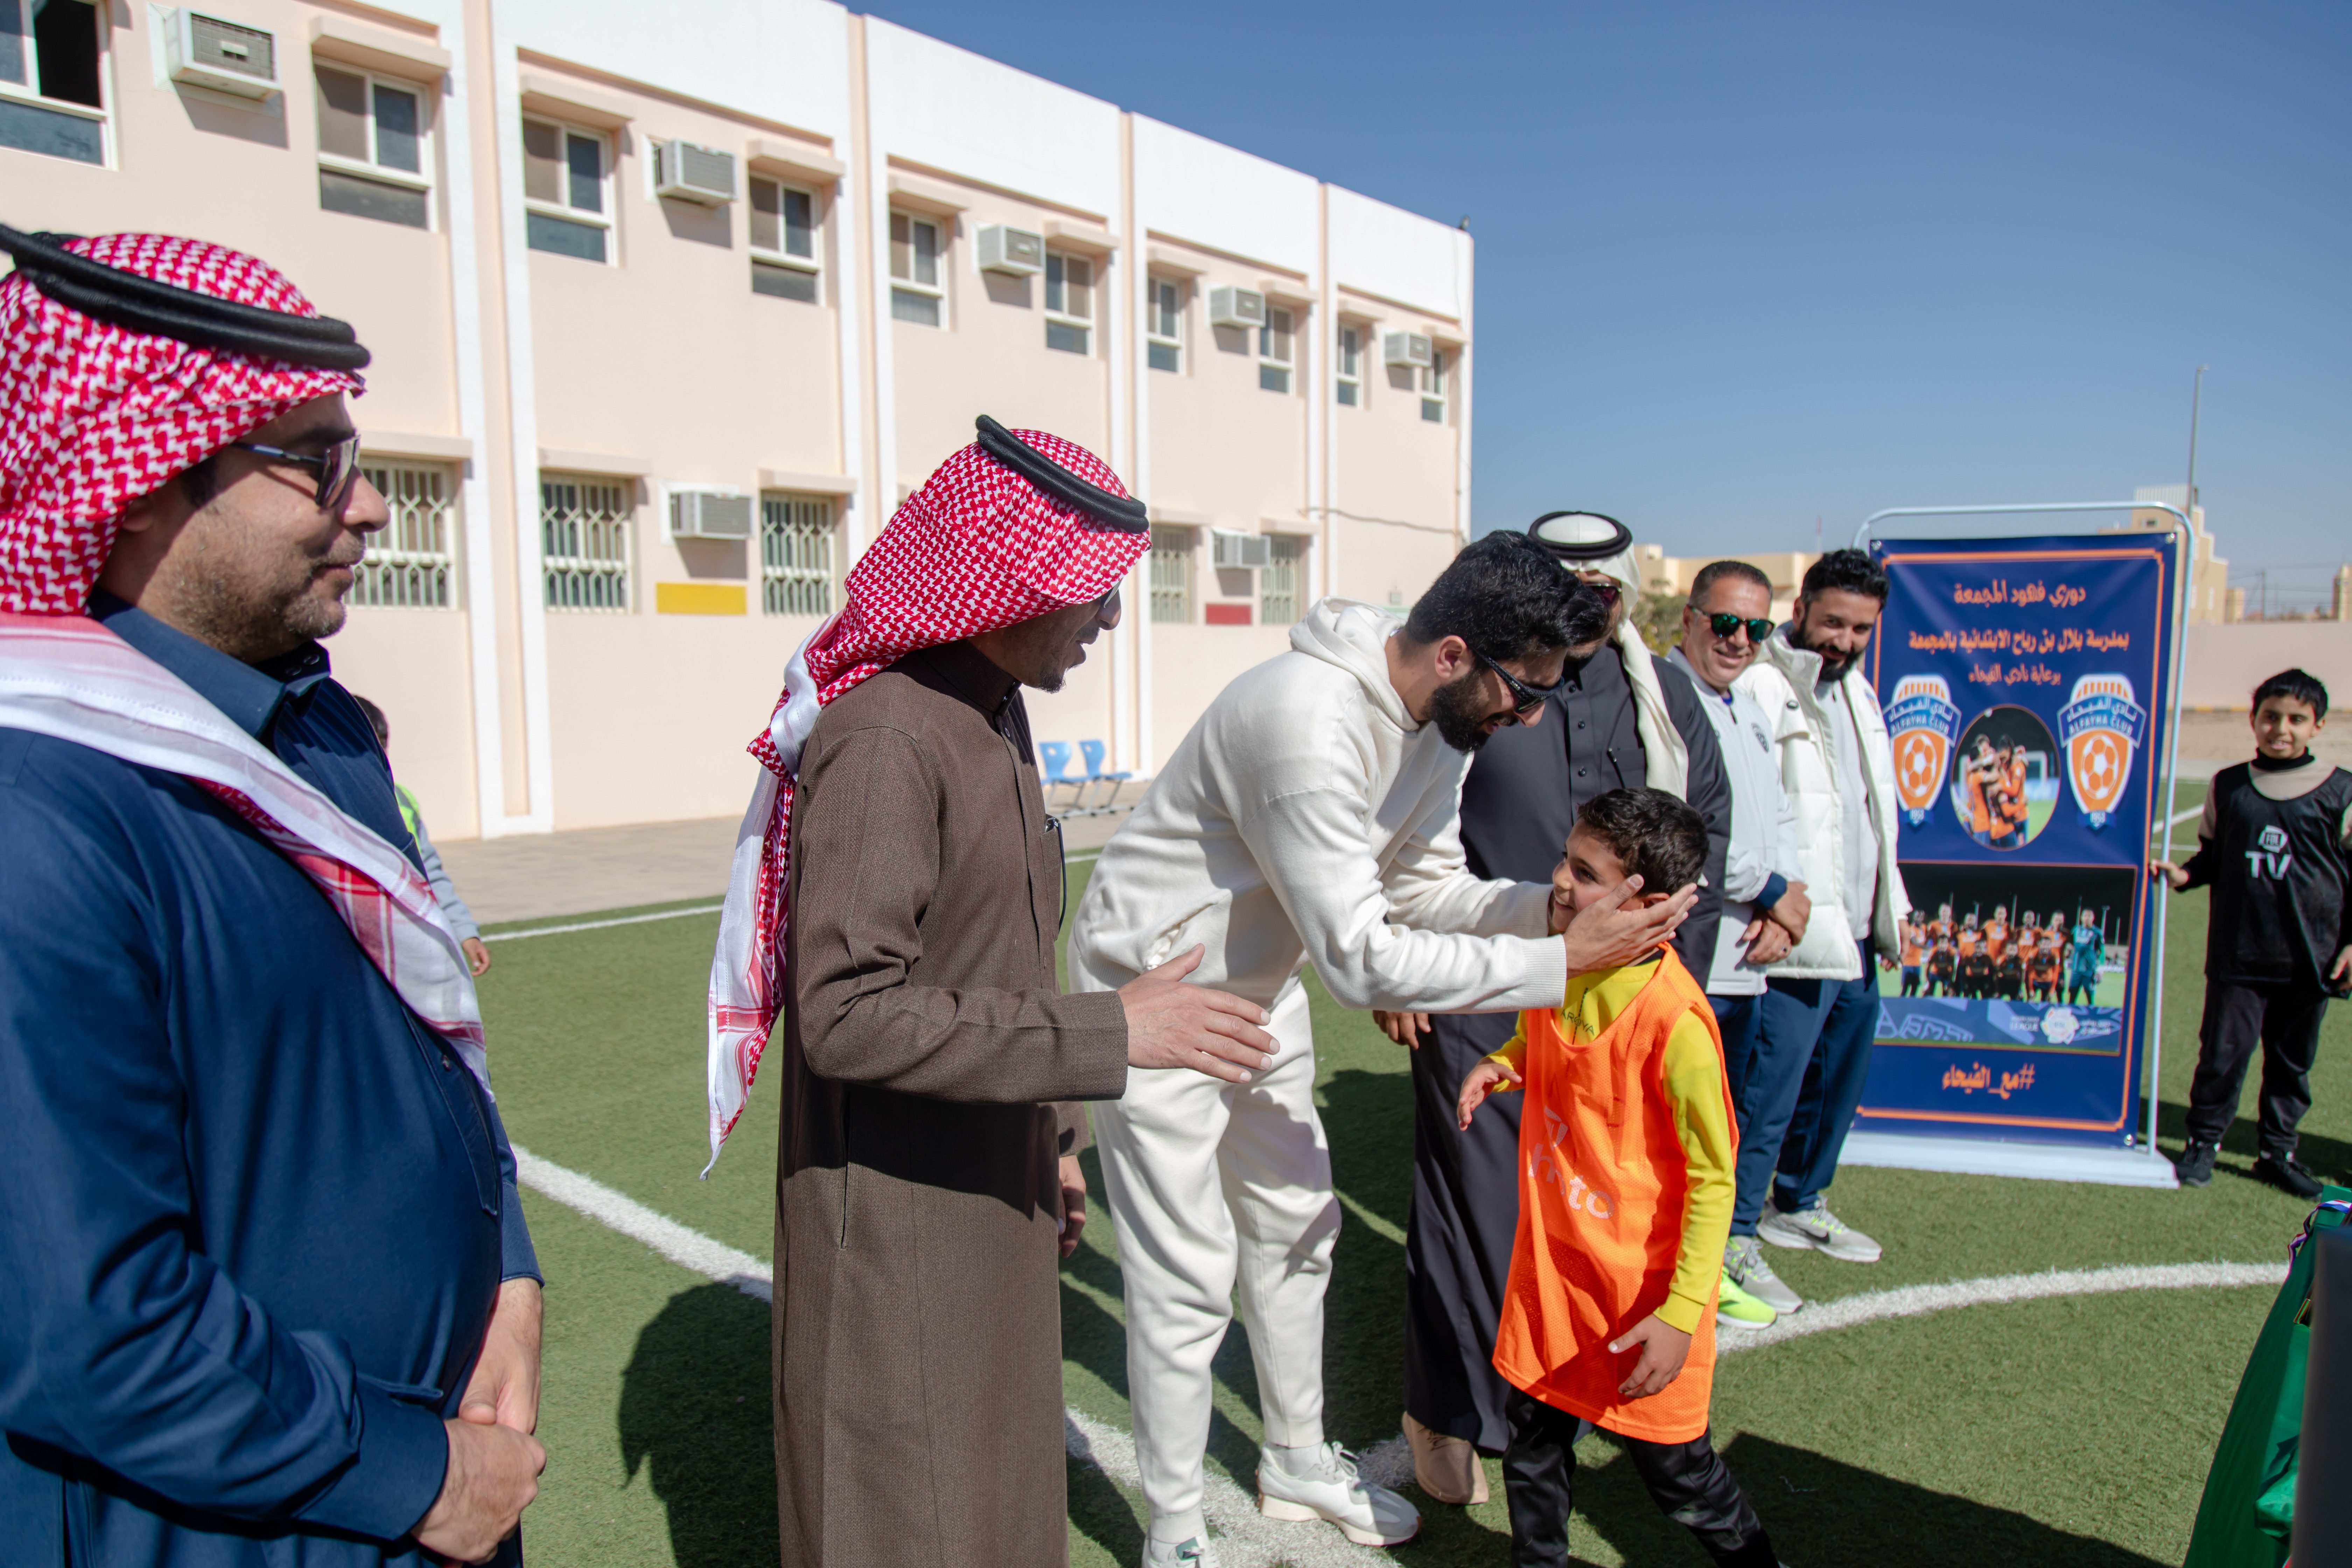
x=1310, y=817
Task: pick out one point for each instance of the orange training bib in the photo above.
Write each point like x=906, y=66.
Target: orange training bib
x=1604, y=1188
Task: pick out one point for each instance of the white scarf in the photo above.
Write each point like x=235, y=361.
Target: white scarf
x=71, y=679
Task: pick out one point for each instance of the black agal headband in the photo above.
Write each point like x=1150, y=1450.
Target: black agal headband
x=141, y=304
x=1124, y=513
x=1572, y=551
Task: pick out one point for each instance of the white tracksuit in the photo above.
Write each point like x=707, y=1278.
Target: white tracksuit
x=1305, y=819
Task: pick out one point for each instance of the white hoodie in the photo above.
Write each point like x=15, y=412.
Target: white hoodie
x=1306, y=818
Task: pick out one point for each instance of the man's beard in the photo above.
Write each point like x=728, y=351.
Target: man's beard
x=1834, y=664
x=1460, y=714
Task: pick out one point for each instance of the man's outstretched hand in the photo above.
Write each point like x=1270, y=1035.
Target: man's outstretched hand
x=1604, y=933
x=1172, y=1025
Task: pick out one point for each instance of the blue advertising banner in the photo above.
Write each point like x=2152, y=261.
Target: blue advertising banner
x=2026, y=683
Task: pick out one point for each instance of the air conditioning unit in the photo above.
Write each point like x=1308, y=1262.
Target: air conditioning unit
x=227, y=57
x=710, y=514
x=1407, y=348
x=1236, y=308
x=694, y=173
x=1019, y=251
x=1233, y=550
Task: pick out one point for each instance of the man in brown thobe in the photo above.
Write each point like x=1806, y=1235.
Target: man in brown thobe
x=926, y=1176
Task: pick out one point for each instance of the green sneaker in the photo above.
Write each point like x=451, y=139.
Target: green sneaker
x=1736, y=1308
x=1744, y=1266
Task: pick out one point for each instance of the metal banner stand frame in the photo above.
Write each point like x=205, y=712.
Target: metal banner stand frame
x=2140, y=1167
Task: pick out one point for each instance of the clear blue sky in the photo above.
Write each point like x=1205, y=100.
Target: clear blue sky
x=1740, y=266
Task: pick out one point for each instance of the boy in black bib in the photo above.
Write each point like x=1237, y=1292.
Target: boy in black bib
x=2276, y=846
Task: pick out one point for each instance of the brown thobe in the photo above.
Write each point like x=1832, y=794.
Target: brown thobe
x=924, y=1048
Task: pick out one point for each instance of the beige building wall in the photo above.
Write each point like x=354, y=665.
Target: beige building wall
x=660, y=371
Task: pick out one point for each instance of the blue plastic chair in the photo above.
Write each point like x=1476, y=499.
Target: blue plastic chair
x=1095, y=751
x=1055, y=757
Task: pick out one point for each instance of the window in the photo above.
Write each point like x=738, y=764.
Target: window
x=1278, y=584
x=583, y=524
x=1163, y=324
x=796, y=545
x=1069, y=303
x=567, y=204
x=1274, y=351
x=373, y=152
x=1171, y=576
x=49, y=98
x=915, y=292
x=410, y=564
x=783, y=241
x=1433, y=387
x=1351, y=366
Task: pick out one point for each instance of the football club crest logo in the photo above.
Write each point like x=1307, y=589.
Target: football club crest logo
x=1921, y=722
x=2100, y=728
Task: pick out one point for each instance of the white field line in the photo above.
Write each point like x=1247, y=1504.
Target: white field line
x=1247, y=1539
x=600, y=925
x=1915, y=1301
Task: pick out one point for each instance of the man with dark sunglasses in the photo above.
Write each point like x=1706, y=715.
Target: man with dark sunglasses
x=272, y=1294
x=1620, y=719
x=1765, y=907
x=1309, y=817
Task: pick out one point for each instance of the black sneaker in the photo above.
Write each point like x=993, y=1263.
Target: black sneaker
x=2194, y=1164
x=2288, y=1174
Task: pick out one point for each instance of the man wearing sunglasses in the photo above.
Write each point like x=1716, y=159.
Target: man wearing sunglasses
x=271, y=1295
x=1310, y=817
x=1619, y=717
x=1725, y=623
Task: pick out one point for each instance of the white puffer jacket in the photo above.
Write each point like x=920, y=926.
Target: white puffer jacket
x=1782, y=681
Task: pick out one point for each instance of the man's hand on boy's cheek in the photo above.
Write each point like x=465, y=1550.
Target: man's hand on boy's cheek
x=1665, y=1348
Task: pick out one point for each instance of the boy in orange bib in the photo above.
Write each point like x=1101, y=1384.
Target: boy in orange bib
x=1626, y=1150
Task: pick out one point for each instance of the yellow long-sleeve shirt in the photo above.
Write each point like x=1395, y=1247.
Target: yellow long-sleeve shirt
x=1693, y=1081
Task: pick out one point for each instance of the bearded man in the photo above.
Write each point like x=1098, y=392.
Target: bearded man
x=1309, y=817
x=268, y=1293
x=1619, y=720
x=926, y=1177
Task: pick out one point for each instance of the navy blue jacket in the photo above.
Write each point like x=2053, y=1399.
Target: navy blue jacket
x=256, y=1218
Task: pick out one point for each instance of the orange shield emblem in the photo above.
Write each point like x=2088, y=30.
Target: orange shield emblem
x=1921, y=722
x=2101, y=728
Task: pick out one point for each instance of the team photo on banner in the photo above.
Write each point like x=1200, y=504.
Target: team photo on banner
x=2025, y=683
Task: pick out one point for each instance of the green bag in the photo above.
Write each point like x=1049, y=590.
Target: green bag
x=2248, y=1512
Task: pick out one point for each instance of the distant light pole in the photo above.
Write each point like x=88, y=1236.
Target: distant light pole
x=2196, y=405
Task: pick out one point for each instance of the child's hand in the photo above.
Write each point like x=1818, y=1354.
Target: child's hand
x=1665, y=1348
x=2175, y=877
x=2341, y=970
x=1484, y=1081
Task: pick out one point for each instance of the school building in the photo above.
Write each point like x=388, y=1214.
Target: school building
x=671, y=307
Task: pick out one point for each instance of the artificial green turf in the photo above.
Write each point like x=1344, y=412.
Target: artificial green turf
x=2071, y=1430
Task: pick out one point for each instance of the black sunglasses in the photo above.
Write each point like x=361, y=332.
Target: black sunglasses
x=1526, y=699
x=336, y=466
x=1725, y=623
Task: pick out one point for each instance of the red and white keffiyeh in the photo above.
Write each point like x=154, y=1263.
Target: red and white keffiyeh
x=976, y=548
x=93, y=416
x=68, y=676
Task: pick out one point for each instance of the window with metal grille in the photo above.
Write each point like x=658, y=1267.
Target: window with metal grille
x=1171, y=576
x=797, y=535
x=1278, y=584
x=411, y=563
x=585, y=523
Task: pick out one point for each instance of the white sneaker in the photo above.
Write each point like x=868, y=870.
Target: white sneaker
x=1329, y=1487
x=1190, y=1552
x=1744, y=1266
x=1818, y=1228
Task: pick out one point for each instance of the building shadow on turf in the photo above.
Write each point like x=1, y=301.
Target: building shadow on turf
x=695, y=1417
x=1826, y=1514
